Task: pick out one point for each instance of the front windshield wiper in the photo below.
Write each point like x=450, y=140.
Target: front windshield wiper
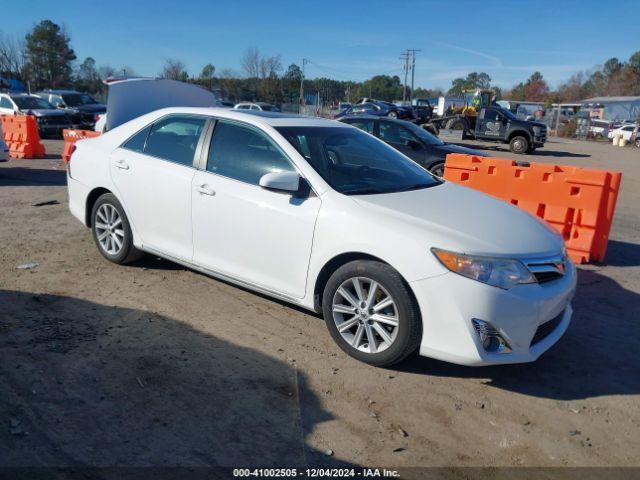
x=363, y=191
x=416, y=186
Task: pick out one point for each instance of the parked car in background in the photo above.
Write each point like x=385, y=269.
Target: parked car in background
x=378, y=109
x=82, y=108
x=422, y=109
x=224, y=104
x=259, y=106
x=635, y=136
x=51, y=121
x=624, y=131
x=322, y=215
x=416, y=143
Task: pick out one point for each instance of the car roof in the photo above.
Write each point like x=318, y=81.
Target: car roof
x=60, y=92
x=373, y=117
x=273, y=119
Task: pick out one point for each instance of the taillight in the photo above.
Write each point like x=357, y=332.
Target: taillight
x=73, y=149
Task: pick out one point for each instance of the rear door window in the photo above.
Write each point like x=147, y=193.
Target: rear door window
x=175, y=138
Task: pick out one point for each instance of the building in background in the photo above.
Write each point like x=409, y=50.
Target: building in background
x=613, y=108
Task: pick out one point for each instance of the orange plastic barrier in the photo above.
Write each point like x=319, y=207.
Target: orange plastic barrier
x=578, y=202
x=71, y=137
x=20, y=133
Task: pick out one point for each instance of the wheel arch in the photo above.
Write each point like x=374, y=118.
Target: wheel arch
x=519, y=133
x=91, y=200
x=338, y=261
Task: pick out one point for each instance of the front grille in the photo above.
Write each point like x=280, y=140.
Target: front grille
x=543, y=277
x=54, y=121
x=546, y=328
x=547, y=269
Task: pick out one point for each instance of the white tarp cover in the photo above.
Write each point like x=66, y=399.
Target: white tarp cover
x=132, y=98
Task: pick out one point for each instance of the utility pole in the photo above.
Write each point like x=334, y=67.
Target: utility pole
x=304, y=62
x=405, y=56
x=413, y=70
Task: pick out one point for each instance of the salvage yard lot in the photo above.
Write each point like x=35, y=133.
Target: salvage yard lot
x=153, y=364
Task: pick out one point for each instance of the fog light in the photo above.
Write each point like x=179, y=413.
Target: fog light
x=489, y=337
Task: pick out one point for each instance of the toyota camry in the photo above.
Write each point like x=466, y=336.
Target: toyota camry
x=322, y=215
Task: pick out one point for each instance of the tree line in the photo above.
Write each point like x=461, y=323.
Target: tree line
x=44, y=58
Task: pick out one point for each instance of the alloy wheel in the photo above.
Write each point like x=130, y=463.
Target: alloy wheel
x=365, y=314
x=109, y=229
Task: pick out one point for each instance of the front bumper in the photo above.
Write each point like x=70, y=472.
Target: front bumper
x=449, y=302
x=540, y=140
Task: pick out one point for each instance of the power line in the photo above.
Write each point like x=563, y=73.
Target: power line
x=405, y=56
x=304, y=62
x=413, y=69
x=409, y=57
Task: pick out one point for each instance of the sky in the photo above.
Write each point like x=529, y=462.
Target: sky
x=348, y=40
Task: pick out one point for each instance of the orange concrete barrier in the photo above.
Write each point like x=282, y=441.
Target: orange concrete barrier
x=20, y=133
x=578, y=202
x=71, y=137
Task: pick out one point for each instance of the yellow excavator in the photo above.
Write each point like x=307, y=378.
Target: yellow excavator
x=474, y=101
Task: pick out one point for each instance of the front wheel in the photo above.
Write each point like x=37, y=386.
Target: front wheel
x=638, y=142
x=519, y=144
x=111, y=230
x=371, y=313
x=393, y=114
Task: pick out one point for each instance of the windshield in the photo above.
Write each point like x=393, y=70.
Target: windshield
x=355, y=163
x=423, y=135
x=77, y=99
x=26, y=103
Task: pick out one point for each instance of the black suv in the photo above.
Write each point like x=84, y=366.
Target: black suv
x=82, y=108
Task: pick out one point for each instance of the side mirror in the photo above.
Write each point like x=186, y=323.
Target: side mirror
x=281, y=181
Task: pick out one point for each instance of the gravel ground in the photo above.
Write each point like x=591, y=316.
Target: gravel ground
x=155, y=365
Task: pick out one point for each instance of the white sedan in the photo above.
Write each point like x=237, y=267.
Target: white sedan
x=323, y=215
x=624, y=131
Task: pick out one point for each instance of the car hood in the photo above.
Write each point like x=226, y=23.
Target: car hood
x=131, y=98
x=450, y=148
x=464, y=220
x=45, y=112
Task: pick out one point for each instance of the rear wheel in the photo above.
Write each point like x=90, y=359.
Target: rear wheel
x=111, y=230
x=371, y=314
x=638, y=142
x=519, y=144
x=393, y=114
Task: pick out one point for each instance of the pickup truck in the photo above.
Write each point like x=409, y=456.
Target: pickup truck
x=496, y=124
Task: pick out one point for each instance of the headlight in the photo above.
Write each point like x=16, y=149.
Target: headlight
x=536, y=131
x=499, y=272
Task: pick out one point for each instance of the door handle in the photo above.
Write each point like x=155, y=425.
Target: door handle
x=122, y=165
x=205, y=190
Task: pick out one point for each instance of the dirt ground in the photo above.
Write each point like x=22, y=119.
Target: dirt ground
x=156, y=365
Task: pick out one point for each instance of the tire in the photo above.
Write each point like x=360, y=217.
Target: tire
x=393, y=114
x=638, y=142
x=402, y=338
x=437, y=169
x=519, y=144
x=107, y=215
